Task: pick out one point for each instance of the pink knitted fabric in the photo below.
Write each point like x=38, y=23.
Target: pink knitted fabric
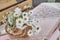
x=5, y=37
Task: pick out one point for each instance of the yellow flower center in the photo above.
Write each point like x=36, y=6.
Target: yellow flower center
x=20, y=22
x=25, y=18
x=30, y=32
x=37, y=28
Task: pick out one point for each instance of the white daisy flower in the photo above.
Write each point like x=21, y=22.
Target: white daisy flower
x=19, y=23
x=25, y=7
x=30, y=12
x=26, y=19
x=34, y=25
x=30, y=33
x=24, y=14
x=17, y=14
x=17, y=10
x=38, y=29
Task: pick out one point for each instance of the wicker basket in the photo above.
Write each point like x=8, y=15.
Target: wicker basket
x=17, y=32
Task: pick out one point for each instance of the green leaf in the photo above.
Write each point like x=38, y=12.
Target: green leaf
x=20, y=16
x=10, y=18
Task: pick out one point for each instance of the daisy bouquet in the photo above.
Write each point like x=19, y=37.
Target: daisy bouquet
x=20, y=24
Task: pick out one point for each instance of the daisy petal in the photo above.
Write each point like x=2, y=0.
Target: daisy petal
x=19, y=23
x=30, y=33
x=17, y=9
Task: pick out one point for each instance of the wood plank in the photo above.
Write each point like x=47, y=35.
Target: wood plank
x=7, y=3
x=4, y=4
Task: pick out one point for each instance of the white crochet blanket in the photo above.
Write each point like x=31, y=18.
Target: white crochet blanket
x=47, y=10
x=49, y=15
